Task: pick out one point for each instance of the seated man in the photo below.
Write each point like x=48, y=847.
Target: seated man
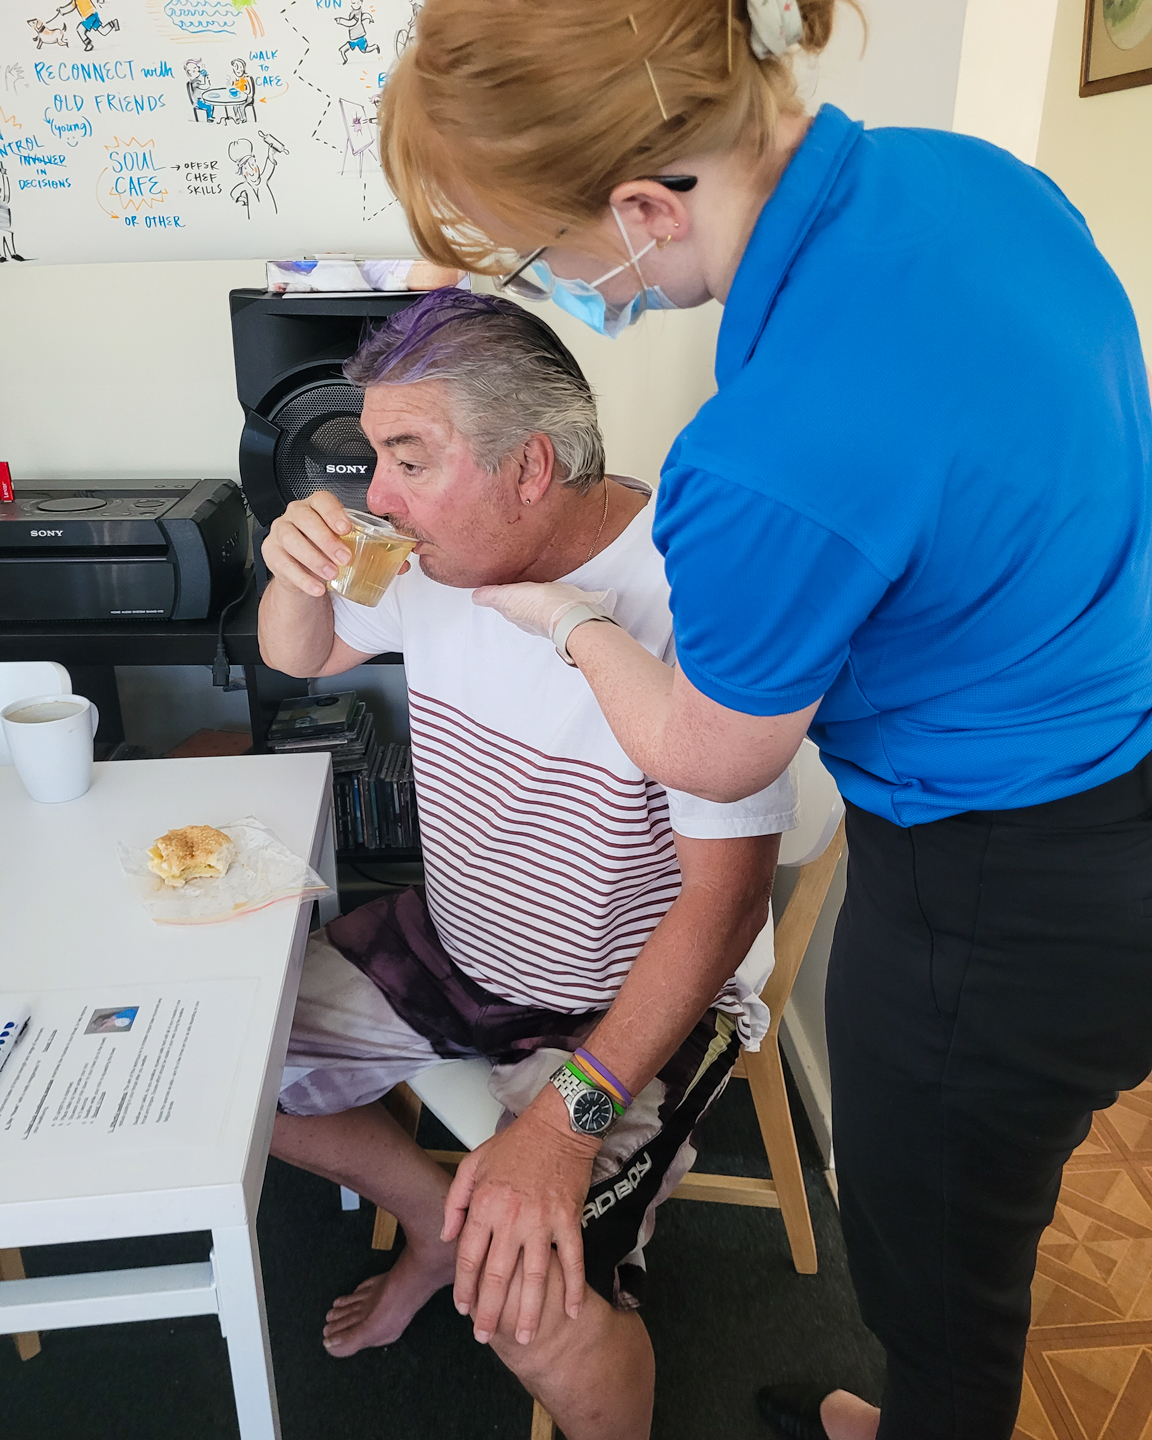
x=570, y=904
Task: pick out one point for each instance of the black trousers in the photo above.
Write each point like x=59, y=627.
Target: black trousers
x=990, y=986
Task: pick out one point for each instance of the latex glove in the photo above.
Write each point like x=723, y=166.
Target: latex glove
x=538, y=609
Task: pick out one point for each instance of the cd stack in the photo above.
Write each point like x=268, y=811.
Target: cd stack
x=371, y=787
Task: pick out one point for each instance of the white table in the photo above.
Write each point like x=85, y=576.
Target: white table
x=72, y=926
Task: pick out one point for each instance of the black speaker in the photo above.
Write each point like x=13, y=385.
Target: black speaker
x=301, y=417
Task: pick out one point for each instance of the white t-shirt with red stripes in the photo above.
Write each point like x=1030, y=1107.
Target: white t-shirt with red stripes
x=548, y=856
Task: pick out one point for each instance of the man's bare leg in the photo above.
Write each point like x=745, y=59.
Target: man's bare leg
x=367, y=1150
x=594, y=1375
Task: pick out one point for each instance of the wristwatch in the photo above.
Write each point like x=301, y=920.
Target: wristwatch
x=586, y=610
x=590, y=1109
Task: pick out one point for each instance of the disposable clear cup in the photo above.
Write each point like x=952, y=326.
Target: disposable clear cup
x=378, y=551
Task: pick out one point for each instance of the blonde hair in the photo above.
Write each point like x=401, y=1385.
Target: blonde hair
x=535, y=110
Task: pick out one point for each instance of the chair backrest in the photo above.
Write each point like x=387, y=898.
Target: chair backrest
x=20, y=679
x=821, y=808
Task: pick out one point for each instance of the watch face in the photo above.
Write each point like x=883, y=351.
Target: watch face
x=592, y=1112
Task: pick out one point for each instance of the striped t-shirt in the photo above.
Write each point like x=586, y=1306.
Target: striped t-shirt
x=549, y=857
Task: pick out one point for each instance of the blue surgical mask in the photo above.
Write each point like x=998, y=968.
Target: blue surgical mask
x=582, y=298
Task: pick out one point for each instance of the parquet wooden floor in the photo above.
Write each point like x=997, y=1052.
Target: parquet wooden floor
x=1088, y=1372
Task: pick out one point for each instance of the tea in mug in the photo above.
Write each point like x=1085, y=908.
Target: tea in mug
x=44, y=711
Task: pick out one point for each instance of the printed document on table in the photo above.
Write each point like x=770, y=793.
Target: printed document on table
x=124, y=1067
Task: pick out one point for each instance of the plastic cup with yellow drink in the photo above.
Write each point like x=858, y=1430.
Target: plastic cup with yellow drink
x=378, y=551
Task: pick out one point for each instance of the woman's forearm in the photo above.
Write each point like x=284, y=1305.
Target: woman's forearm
x=632, y=688
x=674, y=733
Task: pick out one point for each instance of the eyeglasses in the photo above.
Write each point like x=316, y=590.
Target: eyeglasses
x=520, y=281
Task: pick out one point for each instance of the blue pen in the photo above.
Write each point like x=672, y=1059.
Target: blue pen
x=14, y=1016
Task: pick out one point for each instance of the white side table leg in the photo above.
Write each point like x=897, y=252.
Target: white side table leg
x=244, y=1323
x=328, y=907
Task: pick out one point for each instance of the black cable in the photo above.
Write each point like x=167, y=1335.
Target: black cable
x=221, y=670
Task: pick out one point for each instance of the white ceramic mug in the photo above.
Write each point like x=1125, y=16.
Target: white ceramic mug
x=50, y=740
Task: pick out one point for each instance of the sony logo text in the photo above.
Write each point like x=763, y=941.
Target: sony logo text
x=46, y=532
x=347, y=469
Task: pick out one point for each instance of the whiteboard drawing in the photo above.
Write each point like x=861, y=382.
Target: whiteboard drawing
x=249, y=9
x=8, y=249
x=254, y=186
x=201, y=17
x=88, y=21
x=45, y=35
x=197, y=81
x=234, y=101
x=358, y=127
x=168, y=92
x=404, y=37
x=354, y=22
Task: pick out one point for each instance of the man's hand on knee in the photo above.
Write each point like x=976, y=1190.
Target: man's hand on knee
x=515, y=1198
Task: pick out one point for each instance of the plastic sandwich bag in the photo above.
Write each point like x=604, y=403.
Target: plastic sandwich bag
x=263, y=872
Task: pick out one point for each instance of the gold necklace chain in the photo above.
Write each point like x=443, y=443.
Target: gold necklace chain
x=603, y=519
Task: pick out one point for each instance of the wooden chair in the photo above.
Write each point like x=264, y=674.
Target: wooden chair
x=456, y=1092
x=20, y=679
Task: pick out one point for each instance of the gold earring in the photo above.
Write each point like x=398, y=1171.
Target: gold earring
x=660, y=244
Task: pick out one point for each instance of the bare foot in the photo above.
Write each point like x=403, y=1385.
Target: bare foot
x=846, y=1417
x=378, y=1311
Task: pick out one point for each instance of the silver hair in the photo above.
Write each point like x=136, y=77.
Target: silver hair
x=507, y=372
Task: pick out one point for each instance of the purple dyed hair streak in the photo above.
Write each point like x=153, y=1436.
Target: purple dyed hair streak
x=509, y=374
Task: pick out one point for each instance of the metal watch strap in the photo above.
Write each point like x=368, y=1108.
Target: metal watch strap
x=571, y=1086
x=586, y=610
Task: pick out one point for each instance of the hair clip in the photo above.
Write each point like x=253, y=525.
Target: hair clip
x=651, y=77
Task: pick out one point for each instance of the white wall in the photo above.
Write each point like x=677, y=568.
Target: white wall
x=906, y=73
x=1004, y=72
x=1099, y=151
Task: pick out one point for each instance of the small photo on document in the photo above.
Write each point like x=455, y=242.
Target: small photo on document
x=112, y=1022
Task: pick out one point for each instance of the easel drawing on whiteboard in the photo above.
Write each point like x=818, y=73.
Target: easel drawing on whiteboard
x=354, y=22
x=359, y=134
x=8, y=249
x=88, y=22
x=254, y=183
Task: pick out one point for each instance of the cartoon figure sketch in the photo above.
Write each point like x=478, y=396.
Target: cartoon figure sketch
x=42, y=35
x=354, y=23
x=14, y=77
x=198, y=82
x=234, y=101
x=254, y=183
x=249, y=8
x=8, y=249
x=404, y=37
x=88, y=22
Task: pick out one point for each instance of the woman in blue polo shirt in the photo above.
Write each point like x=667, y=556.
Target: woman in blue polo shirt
x=914, y=523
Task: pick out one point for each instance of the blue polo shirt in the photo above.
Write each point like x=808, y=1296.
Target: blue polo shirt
x=922, y=491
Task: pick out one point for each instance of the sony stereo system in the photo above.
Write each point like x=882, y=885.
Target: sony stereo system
x=301, y=417
x=121, y=551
